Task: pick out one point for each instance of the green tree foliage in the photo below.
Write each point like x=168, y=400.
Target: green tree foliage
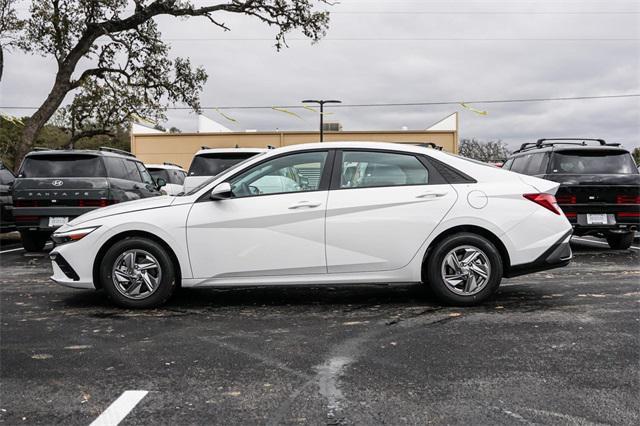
x=489, y=151
x=113, y=59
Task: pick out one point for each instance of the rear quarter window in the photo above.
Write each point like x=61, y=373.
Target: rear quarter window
x=214, y=164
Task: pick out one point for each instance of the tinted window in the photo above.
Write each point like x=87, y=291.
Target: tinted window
x=507, y=164
x=291, y=173
x=537, y=164
x=6, y=177
x=216, y=163
x=146, y=177
x=132, y=171
x=116, y=167
x=62, y=165
x=519, y=164
x=361, y=169
x=592, y=162
x=169, y=175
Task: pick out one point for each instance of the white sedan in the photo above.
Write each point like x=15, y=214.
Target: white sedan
x=352, y=212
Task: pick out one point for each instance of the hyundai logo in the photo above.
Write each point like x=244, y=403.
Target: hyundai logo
x=57, y=182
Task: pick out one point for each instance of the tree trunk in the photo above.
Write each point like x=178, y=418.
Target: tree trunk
x=61, y=87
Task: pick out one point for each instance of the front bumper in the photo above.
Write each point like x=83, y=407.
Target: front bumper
x=556, y=256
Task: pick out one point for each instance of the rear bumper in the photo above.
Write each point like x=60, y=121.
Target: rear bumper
x=37, y=218
x=556, y=256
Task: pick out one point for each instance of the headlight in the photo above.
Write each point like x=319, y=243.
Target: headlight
x=72, y=235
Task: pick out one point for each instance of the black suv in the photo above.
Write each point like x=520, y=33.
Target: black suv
x=6, y=217
x=599, y=184
x=54, y=186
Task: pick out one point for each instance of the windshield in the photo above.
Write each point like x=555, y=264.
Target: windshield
x=61, y=166
x=212, y=178
x=215, y=163
x=593, y=162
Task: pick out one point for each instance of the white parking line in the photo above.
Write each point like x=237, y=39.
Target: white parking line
x=20, y=248
x=119, y=409
x=599, y=242
x=9, y=251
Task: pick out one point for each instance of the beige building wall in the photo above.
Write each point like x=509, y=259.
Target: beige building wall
x=179, y=148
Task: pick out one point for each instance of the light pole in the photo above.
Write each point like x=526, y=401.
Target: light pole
x=321, y=102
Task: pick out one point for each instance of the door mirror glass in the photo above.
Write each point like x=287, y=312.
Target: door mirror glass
x=222, y=191
x=161, y=182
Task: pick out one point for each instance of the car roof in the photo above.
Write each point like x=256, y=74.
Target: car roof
x=164, y=166
x=569, y=147
x=230, y=150
x=81, y=152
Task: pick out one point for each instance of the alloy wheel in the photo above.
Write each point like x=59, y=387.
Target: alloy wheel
x=466, y=270
x=136, y=274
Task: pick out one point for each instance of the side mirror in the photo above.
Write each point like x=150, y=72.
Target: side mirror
x=161, y=182
x=222, y=191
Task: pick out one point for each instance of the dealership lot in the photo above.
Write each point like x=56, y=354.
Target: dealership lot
x=555, y=347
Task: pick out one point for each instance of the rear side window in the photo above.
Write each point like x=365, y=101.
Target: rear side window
x=363, y=169
x=173, y=176
x=592, y=162
x=122, y=169
x=216, y=163
x=62, y=166
x=537, y=164
x=6, y=177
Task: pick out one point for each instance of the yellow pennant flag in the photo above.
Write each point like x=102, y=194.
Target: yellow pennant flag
x=472, y=109
x=286, y=111
x=225, y=115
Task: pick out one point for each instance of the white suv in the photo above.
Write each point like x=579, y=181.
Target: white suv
x=210, y=162
x=172, y=174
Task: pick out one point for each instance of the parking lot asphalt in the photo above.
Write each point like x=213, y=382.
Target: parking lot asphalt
x=561, y=346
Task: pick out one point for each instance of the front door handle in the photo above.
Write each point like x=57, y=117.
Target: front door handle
x=432, y=195
x=307, y=204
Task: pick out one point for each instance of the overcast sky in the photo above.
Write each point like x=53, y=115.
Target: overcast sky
x=412, y=51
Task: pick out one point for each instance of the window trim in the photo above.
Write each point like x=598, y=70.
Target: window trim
x=322, y=186
x=336, y=176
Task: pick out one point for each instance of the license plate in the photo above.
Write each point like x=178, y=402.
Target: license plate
x=55, y=222
x=597, y=219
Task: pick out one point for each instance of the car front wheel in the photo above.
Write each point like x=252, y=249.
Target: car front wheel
x=137, y=273
x=464, y=269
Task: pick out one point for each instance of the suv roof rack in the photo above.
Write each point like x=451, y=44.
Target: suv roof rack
x=546, y=142
x=116, y=151
x=205, y=147
x=171, y=164
x=41, y=148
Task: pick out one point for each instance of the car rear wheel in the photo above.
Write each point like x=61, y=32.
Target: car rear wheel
x=620, y=241
x=34, y=240
x=464, y=269
x=137, y=273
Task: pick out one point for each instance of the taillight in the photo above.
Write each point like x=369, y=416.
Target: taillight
x=95, y=203
x=566, y=199
x=571, y=215
x=547, y=201
x=629, y=214
x=628, y=199
x=25, y=203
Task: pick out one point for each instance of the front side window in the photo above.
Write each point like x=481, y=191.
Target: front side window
x=363, y=169
x=132, y=171
x=146, y=177
x=291, y=173
x=6, y=177
x=519, y=164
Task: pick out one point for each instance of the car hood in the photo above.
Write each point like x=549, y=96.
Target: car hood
x=126, y=207
x=571, y=179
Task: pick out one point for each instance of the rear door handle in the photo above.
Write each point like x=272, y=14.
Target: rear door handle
x=432, y=195
x=307, y=204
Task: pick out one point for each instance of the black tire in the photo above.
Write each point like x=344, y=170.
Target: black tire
x=489, y=255
x=167, y=276
x=33, y=241
x=620, y=241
